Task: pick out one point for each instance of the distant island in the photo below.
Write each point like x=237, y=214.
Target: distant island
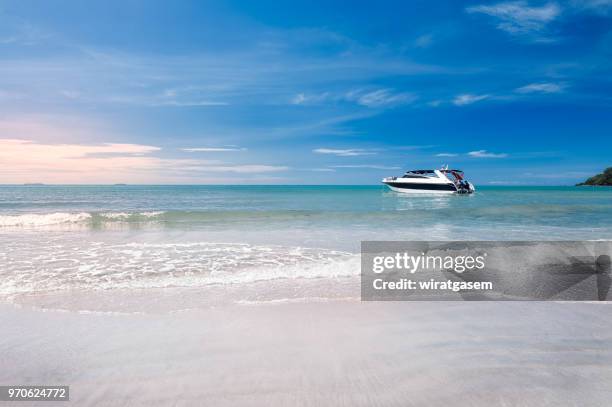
x=603, y=179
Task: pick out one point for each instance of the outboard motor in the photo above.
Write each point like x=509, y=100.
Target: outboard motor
x=465, y=187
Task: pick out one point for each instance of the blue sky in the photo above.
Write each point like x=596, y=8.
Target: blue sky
x=515, y=92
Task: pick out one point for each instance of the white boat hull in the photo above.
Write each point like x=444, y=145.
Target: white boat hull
x=420, y=191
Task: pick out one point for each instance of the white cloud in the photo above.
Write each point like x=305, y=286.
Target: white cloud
x=212, y=149
x=25, y=161
x=540, y=88
x=467, y=99
x=447, y=155
x=248, y=168
x=370, y=166
x=298, y=99
x=350, y=152
x=369, y=98
x=186, y=96
x=486, y=154
x=381, y=98
x=518, y=17
x=313, y=98
x=29, y=161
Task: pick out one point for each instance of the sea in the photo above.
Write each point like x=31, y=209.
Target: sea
x=90, y=238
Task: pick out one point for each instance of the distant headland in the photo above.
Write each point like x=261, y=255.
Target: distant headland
x=603, y=179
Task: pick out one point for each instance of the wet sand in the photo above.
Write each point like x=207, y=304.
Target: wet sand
x=338, y=353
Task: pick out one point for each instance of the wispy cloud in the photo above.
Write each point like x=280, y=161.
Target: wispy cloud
x=212, y=149
x=486, y=154
x=379, y=98
x=26, y=160
x=349, y=152
x=447, y=155
x=544, y=87
x=31, y=161
x=518, y=17
x=22, y=34
x=322, y=169
x=243, y=168
x=468, y=99
x=251, y=74
x=298, y=99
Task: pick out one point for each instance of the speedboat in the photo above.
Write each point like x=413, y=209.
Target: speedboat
x=442, y=181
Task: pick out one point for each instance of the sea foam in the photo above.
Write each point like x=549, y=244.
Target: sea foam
x=100, y=265
x=32, y=219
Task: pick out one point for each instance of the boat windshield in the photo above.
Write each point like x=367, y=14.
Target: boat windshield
x=420, y=174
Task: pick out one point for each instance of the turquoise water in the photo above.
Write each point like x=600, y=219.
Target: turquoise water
x=55, y=238
x=306, y=206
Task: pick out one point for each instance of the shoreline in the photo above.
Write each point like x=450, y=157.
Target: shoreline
x=334, y=353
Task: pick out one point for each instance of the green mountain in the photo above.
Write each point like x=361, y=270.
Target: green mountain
x=604, y=178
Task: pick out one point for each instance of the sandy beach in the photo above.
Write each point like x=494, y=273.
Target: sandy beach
x=335, y=353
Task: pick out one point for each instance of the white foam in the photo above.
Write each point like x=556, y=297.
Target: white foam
x=127, y=215
x=115, y=215
x=32, y=219
x=65, y=218
x=151, y=214
x=98, y=265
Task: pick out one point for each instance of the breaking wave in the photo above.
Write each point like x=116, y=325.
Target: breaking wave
x=32, y=220
x=548, y=214
x=84, y=218
x=99, y=265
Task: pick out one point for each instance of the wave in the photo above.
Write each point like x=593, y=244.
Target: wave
x=32, y=219
x=125, y=216
x=524, y=213
x=99, y=265
x=65, y=218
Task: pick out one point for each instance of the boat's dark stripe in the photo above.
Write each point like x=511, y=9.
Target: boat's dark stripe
x=425, y=187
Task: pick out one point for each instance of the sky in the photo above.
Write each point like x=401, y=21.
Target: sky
x=304, y=92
